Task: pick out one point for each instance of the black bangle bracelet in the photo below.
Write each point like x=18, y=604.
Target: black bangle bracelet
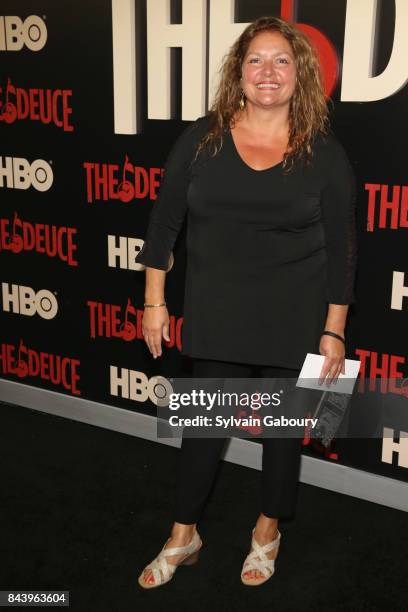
x=329, y=333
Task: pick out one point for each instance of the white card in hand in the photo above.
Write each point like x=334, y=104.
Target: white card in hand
x=310, y=373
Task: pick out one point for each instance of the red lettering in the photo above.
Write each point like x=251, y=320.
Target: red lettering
x=381, y=371
x=32, y=94
x=178, y=332
x=51, y=240
x=4, y=358
x=61, y=232
x=75, y=376
x=57, y=93
x=101, y=180
x=395, y=373
x=154, y=183
x=28, y=236
x=48, y=366
x=44, y=366
x=92, y=312
x=71, y=246
x=115, y=310
x=139, y=330
x=55, y=370
x=22, y=104
x=386, y=370
x=404, y=207
x=372, y=192
x=4, y=234
x=33, y=363
x=141, y=182
x=40, y=238
x=10, y=358
x=67, y=110
x=104, y=317
x=64, y=379
x=45, y=107
x=112, y=181
x=88, y=168
x=392, y=205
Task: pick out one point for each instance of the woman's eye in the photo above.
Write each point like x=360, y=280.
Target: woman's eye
x=253, y=60
x=282, y=60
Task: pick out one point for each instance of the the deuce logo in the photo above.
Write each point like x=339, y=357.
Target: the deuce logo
x=54, y=241
x=15, y=33
x=110, y=182
x=109, y=321
x=44, y=105
x=22, y=361
x=387, y=206
x=18, y=173
x=25, y=301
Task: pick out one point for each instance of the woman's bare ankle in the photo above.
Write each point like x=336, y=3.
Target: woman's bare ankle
x=266, y=526
x=180, y=531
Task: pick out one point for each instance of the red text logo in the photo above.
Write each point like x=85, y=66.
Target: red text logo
x=381, y=366
x=110, y=182
x=387, y=206
x=44, y=105
x=51, y=240
x=109, y=321
x=60, y=371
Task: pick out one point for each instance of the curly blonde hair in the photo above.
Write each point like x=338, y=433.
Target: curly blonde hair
x=308, y=112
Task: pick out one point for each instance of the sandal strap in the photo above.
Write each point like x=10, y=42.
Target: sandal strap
x=179, y=550
x=257, y=559
x=266, y=547
x=161, y=569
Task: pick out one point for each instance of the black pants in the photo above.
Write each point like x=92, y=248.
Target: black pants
x=199, y=457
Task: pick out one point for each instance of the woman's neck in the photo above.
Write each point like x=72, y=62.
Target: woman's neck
x=265, y=122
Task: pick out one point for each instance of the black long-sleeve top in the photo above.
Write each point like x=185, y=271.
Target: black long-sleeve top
x=266, y=251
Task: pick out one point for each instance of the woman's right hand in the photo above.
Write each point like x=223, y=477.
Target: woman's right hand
x=155, y=325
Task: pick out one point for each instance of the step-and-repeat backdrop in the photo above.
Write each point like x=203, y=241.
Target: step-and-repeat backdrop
x=92, y=96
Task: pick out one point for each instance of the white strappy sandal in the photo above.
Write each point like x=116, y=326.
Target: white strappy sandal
x=257, y=560
x=162, y=570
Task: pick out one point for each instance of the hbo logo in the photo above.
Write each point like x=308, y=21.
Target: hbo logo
x=20, y=174
x=15, y=33
x=134, y=385
x=25, y=301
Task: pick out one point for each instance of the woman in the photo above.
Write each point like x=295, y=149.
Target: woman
x=269, y=198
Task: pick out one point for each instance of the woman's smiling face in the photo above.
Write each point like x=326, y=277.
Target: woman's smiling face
x=269, y=71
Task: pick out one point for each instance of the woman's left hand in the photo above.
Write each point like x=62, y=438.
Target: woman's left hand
x=334, y=352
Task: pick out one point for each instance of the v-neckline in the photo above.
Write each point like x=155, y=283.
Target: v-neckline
x=234, y=146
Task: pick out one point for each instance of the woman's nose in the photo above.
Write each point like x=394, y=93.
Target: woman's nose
x=268, y=68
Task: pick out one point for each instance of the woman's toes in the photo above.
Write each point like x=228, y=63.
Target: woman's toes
x=148, y=577
x=252, y=574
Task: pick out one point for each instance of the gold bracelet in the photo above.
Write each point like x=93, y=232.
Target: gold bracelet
x=154, y=305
